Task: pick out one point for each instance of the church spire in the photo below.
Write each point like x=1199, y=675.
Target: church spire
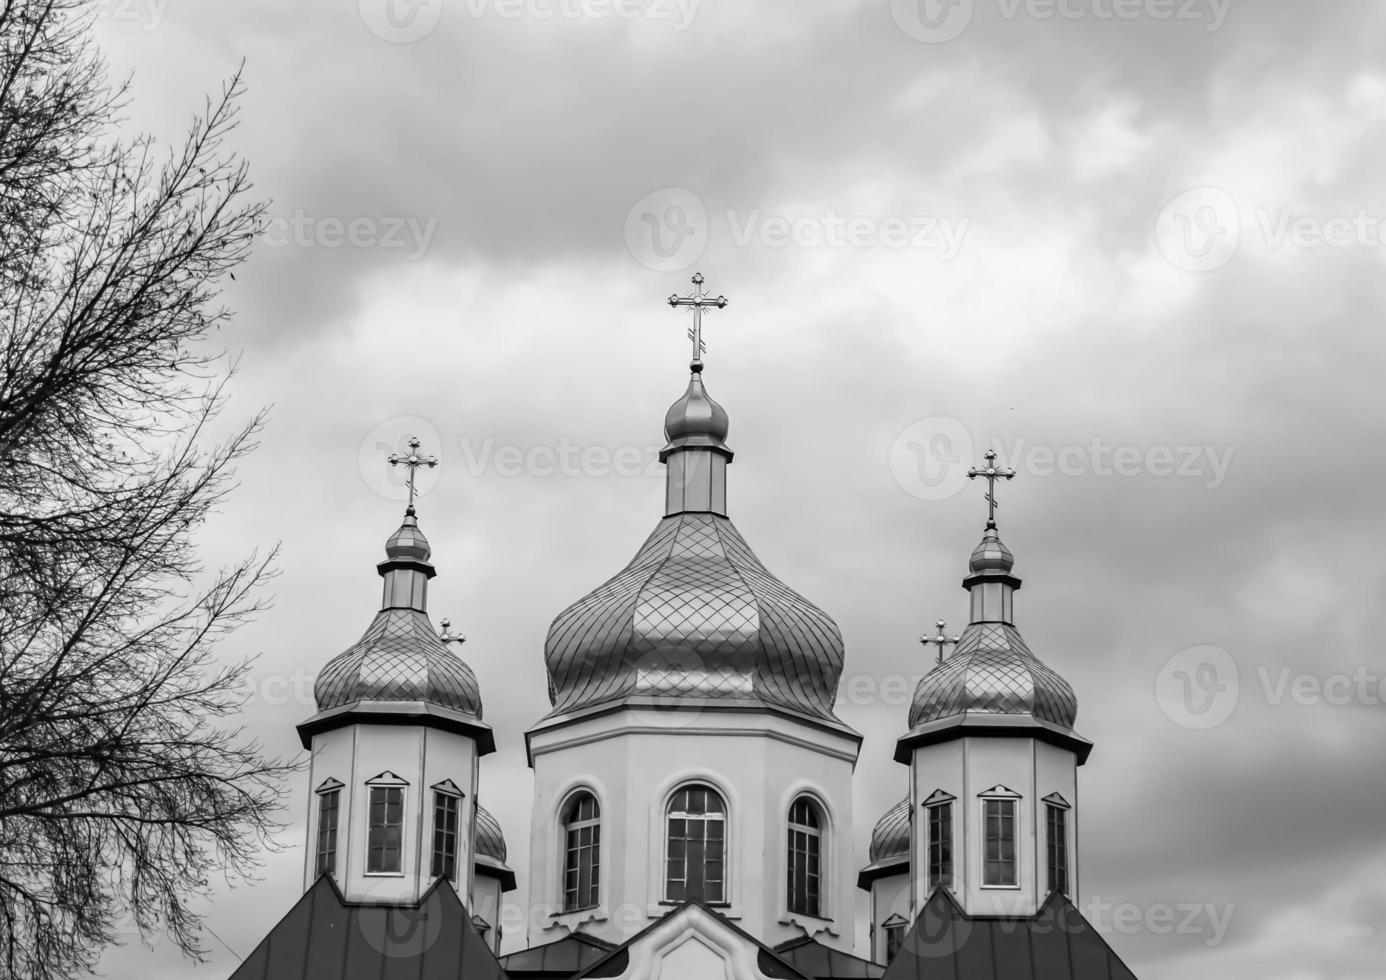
x=406, y=569
x=696, y=427
x=990, y=582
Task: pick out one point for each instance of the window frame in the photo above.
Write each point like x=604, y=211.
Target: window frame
x=329, y=790
x=1056, y=846
x=1007, y=800
x=440, y=855
x=938, y=852
x=386, y=782
x=724, y=818
x=815, y=857
x=566, y=828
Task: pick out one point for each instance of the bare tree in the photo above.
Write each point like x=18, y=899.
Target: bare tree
x=122, y=786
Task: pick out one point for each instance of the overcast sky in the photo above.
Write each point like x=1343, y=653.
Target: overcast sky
x=1134, y=245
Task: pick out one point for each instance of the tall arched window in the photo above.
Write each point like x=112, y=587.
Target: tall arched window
x=805, y=864
x=582, y=843
x=696, y=859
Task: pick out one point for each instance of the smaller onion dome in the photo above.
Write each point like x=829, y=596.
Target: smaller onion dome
x=990, y=555
x=490, y=841
x=695, y=416
x=401, y=656
x=891, y=836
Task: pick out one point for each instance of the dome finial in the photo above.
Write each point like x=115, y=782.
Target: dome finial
x=699, y=301
x=991, y=473
x=942, y=639
x=411, y=461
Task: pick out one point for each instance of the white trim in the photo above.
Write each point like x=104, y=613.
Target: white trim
x=1014, y=800
x=660, y=883
x=371, y=787
x=561, y=853
x=826, y=854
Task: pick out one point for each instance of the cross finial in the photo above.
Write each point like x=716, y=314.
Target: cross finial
x=991, y=474
x=942, y=639
x=699, y=301
x=411, y=461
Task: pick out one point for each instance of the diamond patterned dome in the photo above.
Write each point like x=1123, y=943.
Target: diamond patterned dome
x=490, y=842
x=891, y=836
x=695, y=614
x=993, y=671
x=400, y=658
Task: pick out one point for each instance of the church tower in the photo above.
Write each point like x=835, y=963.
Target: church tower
x=993, y=757
x=395, y=745
x=692, y=753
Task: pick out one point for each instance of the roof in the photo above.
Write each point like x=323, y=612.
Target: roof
x=324, y=937
x=813, y=959
x=695, y=615
x=490, y=840
x=557, y=960
x=891, y=835
x=1056, y=943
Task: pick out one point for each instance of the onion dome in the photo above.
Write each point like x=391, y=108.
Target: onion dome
x=490, y=842
x=401, y=665
x=695, y=616
x=992, y=671
x=891, y=836
x=695, y=416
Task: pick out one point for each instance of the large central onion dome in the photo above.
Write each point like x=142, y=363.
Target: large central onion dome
x=992, y=671
x=400, y=658
x=695, y=615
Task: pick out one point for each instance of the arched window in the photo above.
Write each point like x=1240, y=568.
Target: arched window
x=582, y=844
x=805, y=863
x=696, y=859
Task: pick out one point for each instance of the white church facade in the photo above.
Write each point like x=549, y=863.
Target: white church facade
x=692, y=812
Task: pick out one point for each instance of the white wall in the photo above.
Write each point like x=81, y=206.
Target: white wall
x=634, y=759
x=422, y=757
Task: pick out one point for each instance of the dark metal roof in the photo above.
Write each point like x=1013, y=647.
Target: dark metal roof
x=490, y=841
x=813, y=959
x=695, y=615
x=557, y=960
x=1057, y=943
x=323, y=937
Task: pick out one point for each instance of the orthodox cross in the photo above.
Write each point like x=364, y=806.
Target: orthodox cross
x=699, y=301
x=942, y=639
x=991, y=474
x=411, y=461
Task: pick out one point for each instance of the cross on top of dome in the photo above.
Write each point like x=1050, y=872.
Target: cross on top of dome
x=411, y=461
x=991, y=473
x=698, y=301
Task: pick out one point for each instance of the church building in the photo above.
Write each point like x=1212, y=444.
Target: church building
x=692, y=814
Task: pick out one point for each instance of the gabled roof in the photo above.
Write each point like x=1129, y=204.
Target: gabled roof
x=1056, y=943
x=557, y=960
x=324, y=937
x=813, y=959
x=706, y=921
